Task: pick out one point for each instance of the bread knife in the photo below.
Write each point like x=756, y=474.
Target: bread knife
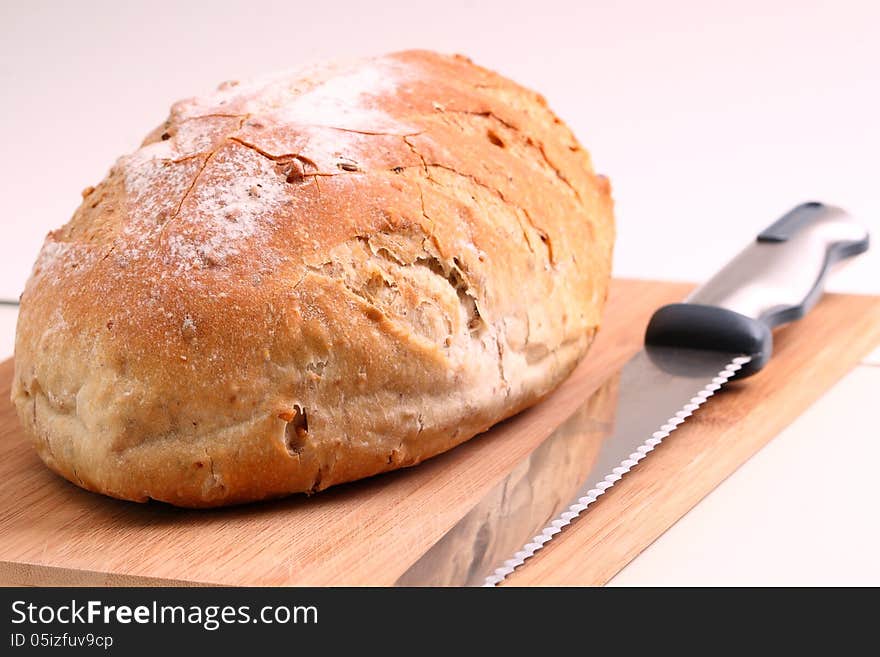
x=722, y=331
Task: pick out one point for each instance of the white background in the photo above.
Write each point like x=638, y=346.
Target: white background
x=710, y=118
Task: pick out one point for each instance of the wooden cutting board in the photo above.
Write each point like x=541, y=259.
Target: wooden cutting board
x=369, y=532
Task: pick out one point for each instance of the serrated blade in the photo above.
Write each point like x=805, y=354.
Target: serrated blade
x=615, y=428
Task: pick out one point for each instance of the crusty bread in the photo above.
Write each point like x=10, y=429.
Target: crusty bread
x=311, y=278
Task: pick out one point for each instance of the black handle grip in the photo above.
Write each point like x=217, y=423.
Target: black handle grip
x=775, y=280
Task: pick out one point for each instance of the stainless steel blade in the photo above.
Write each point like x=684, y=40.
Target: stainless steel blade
x=602, y=440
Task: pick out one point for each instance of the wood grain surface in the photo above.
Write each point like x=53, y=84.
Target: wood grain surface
x=370, y=532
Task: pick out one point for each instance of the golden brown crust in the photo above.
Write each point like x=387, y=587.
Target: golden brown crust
x=313, y=278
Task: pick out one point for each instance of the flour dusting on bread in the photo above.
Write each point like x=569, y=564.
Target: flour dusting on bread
x=236, y=201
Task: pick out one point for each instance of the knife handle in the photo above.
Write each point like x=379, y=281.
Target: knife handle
x=773, y=281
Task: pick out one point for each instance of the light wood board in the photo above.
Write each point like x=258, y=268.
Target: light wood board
x=369, y=532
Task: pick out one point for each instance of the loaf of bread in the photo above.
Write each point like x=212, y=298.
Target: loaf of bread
x=310, y=278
